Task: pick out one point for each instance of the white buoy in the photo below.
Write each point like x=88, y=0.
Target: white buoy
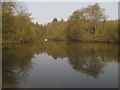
x=45, y=39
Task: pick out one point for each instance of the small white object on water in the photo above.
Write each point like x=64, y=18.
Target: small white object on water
x=45, y=39
x=35, y=55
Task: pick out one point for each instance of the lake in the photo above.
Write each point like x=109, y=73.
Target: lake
x=60, y=65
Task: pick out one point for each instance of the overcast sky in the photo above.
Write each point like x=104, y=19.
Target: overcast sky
x=44, y=12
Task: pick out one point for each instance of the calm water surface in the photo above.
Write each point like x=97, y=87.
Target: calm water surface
x=60, y=65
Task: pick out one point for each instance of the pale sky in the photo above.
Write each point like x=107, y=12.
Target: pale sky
x=44, y=12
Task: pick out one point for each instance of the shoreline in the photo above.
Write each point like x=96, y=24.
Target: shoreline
x=34, y=41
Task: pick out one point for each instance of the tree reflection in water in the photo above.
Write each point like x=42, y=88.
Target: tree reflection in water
x=88, y=58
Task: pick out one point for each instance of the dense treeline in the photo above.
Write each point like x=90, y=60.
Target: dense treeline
x=86, y=24
x=17, y=25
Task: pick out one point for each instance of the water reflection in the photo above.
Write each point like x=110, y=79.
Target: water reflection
x=87, y=58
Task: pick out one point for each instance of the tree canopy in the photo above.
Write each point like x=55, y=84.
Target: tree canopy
x=86, y=24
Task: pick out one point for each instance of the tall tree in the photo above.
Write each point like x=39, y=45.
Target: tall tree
x=85, y=19
x=8, y=18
